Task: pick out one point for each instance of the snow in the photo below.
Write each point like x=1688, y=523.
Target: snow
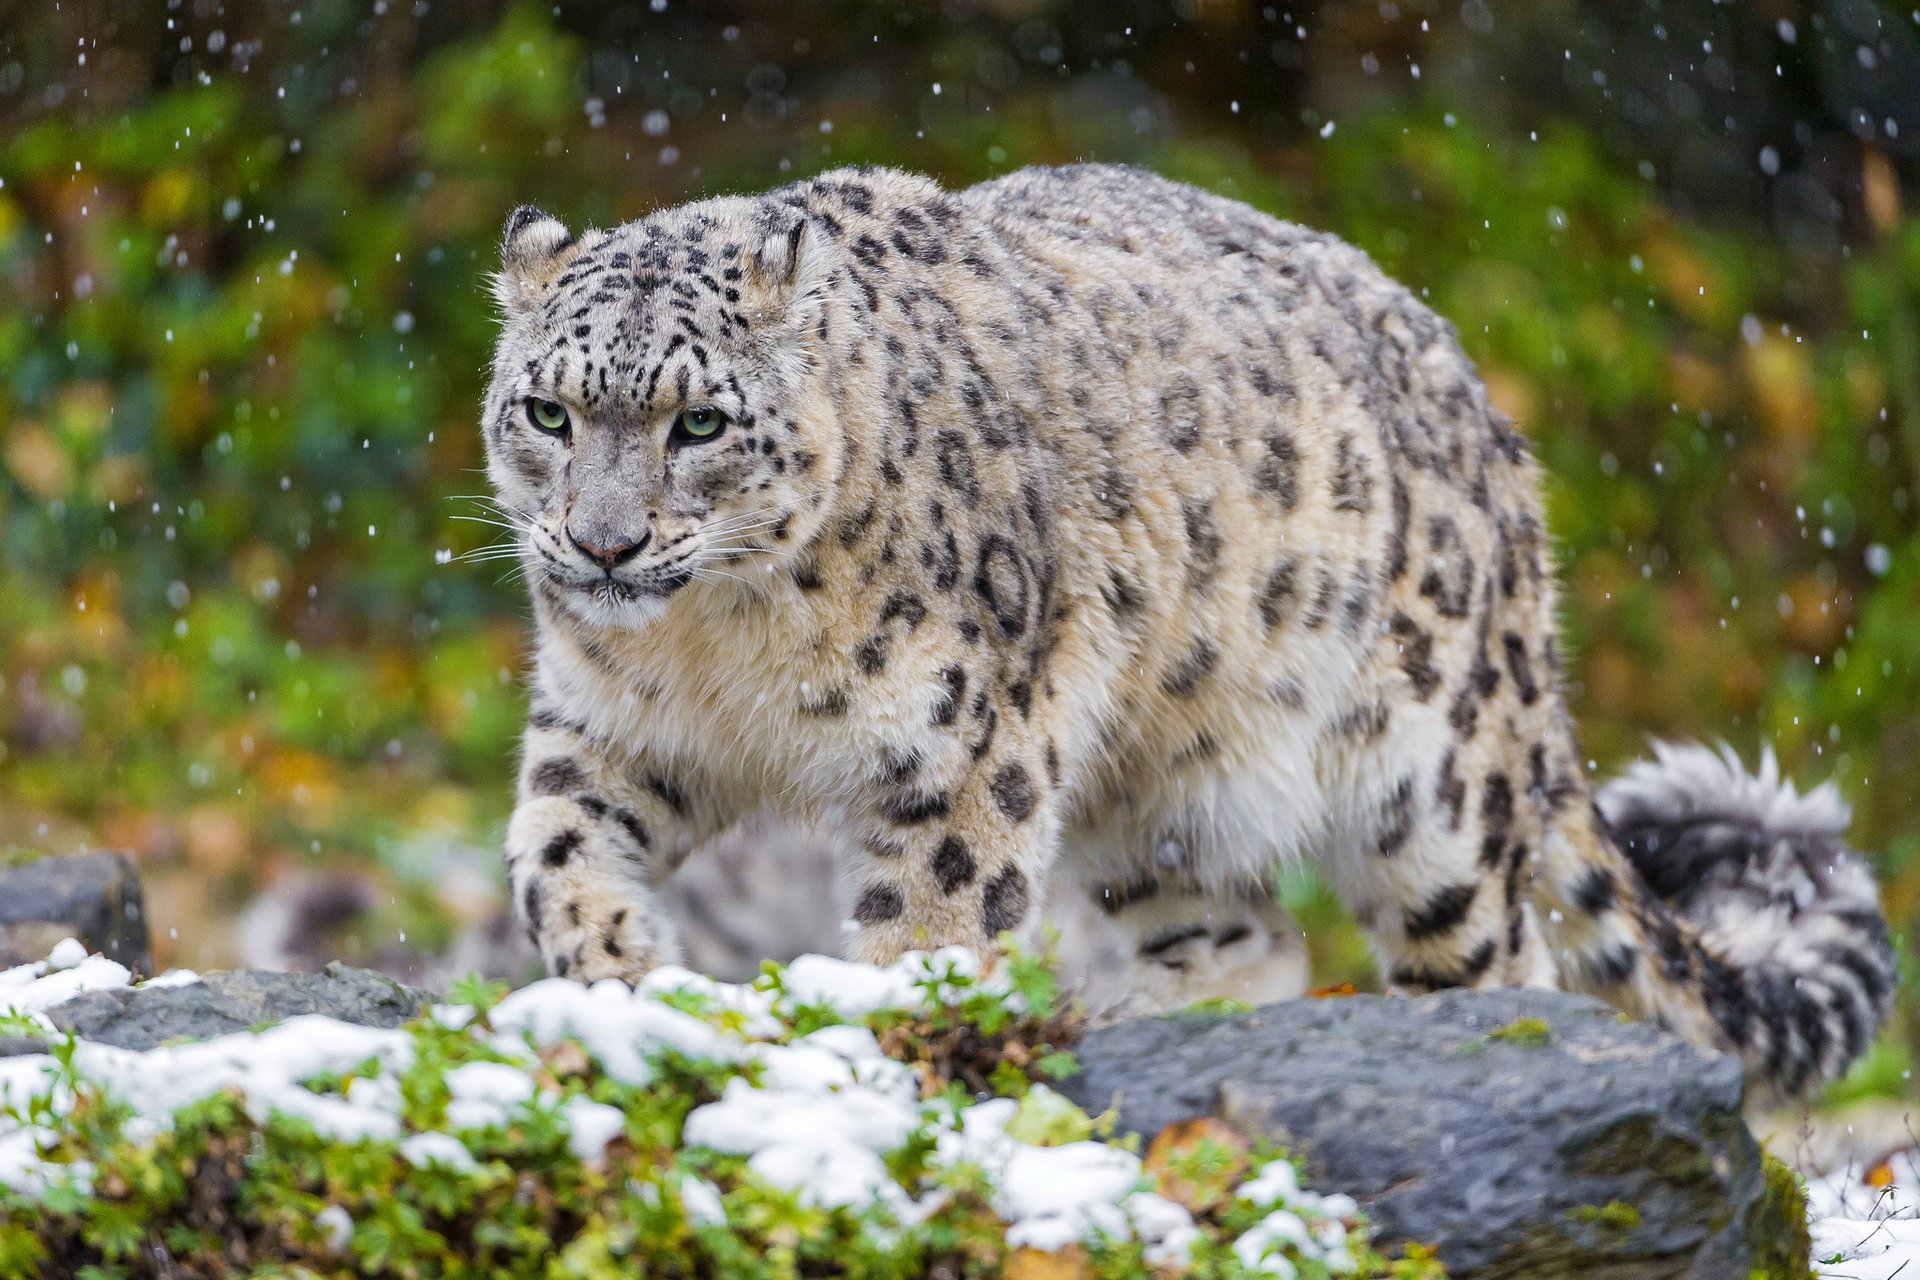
x=1277, y=1181
x=835, y=1058
x=832, y=1173
x=484, y=1094
x=701, y=1199
x=851, y=989
x=753, y=1006
x=173, y=978
x=855, y=990
x=337, y=1223
x=590, y=1127
x=1046, y=1181
x=424, y=1149
x=1867, y=1232
x=816, y=1114
x=28, y=990
x=1865, y=1249
x=1054, y=1196
x=58, y=983
x=747, y=1119
x=618, y=1025
x=67, y=954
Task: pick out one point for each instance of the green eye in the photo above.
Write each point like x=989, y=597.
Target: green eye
x=548, y=415
x=699, y=424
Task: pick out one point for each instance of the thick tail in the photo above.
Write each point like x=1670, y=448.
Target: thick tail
x=1750, y=909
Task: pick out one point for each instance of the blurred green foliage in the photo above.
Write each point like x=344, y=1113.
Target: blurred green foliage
x=245, y=325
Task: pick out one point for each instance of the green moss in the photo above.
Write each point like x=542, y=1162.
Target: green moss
x=228, y=1195
x=13, y=855
x=1777, y=1224
x=1526, y=1033
x=1686, y=1168
x=1219, y=1007
x=1615, y=1215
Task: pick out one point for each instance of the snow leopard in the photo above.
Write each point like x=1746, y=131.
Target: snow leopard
x=1081, y=526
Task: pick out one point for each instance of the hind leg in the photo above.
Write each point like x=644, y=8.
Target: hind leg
x=1159, y=938
x=1435, y=864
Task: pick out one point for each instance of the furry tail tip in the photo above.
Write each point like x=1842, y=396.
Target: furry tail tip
x=1799, y=969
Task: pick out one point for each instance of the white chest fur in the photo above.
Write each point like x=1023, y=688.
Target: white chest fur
x=737, y=689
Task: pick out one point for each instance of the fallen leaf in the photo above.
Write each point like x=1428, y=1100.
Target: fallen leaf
x=1880, y=190
x=1182, y=1176
x=565, y=1058
x=1069, y=1263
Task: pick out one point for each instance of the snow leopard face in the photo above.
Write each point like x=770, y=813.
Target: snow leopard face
x=656, y=415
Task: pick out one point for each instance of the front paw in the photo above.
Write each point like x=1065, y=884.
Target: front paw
x=583, y=899
x=609, y=943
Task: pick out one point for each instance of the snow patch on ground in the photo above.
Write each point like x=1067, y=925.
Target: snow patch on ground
x=1868, y=1227
x=820, y=1116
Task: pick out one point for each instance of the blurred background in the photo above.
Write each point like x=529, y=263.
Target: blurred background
x=243, y=326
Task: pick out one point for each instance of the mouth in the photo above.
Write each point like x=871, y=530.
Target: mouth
x=608, y=592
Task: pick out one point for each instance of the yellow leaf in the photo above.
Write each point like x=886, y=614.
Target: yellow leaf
x=1779, y=375
x=302, y=780
x=1069, y=1263
x=1880, y=191
x=1686, y=278
x=166, y=197
x=1177, y=1142
x=41, y=466
x=218, y=839
x=1512, y=395
x=565, y=1058
x=1696, y=383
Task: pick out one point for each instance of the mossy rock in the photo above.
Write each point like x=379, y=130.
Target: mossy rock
x=94, y=897
x=237, y=1000
x=1613, y=1216
x=1777, y=1225
x=1522, y=1134
x=1527, y=1033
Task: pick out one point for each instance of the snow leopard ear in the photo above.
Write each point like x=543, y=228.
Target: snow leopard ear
x=788, y=263
x=777, y=260
x=531, y=246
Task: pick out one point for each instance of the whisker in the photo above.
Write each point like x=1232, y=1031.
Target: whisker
x=741, y=553
x=734, y=527
x=758, y=517
x=498, y=524
x=734, y=553
x=500, y=505
x=734, y=535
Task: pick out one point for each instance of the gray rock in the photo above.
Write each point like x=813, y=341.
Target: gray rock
x=226, y=1002
x=94, y=897
x=1606, y=1148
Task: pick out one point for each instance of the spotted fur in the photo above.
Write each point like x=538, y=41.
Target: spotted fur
x=1076, y=517
x=1800, y=965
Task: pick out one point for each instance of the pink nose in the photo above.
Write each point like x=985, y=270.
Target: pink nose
x=607, y=552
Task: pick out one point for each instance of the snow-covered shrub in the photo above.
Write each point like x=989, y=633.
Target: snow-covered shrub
x=829, y=1119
